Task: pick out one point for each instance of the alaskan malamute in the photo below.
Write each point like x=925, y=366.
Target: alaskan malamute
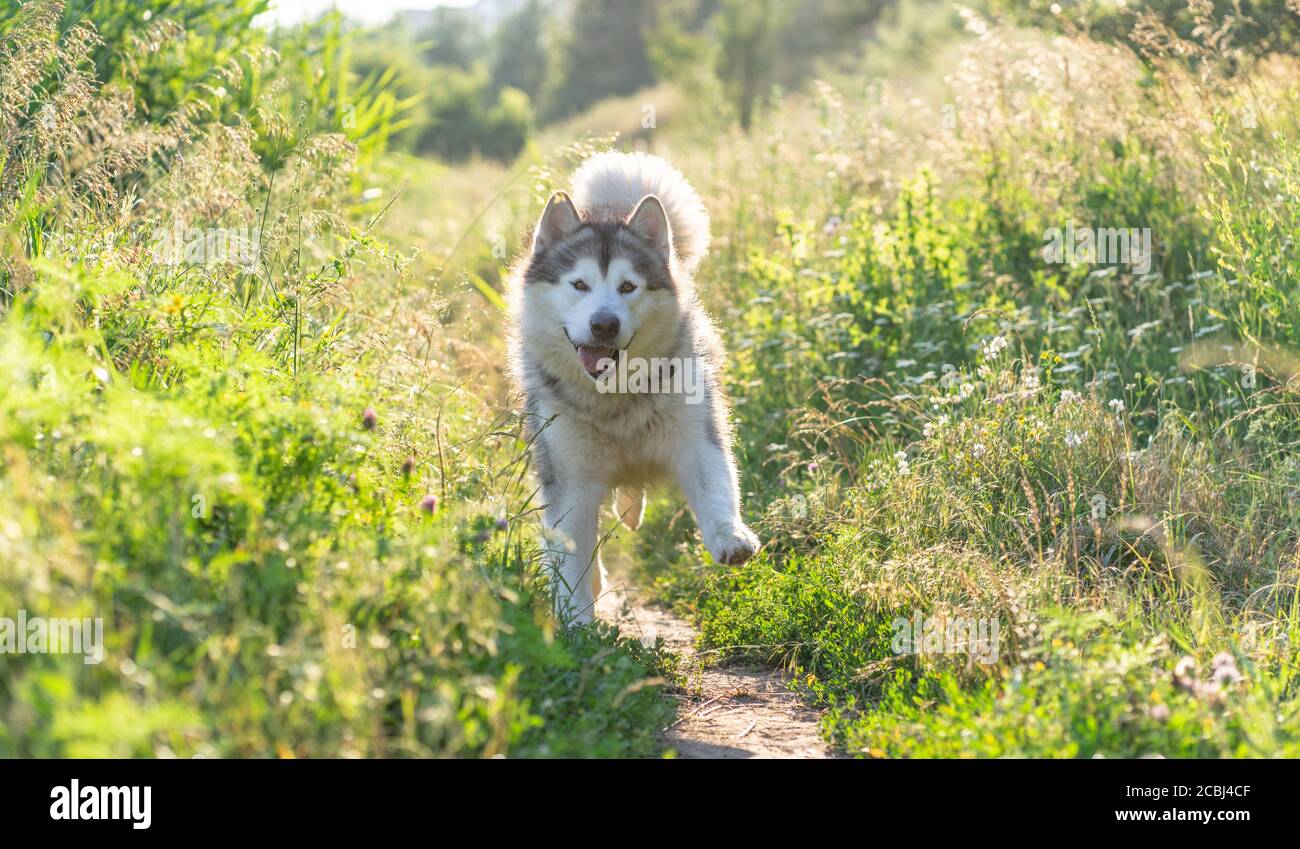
x=620, y=366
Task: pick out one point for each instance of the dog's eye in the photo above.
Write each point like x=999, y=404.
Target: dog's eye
x=580, y=285
x=627, y=287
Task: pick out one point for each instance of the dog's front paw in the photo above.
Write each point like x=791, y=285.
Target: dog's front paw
x=733, y=544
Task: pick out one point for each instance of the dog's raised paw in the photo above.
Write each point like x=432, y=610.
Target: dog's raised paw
x=734, y=545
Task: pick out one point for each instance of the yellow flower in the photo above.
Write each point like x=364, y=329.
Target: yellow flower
x=175, y=304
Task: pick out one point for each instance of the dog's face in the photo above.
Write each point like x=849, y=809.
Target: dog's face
x=595, y=288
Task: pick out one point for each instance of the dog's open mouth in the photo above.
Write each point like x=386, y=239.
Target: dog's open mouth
x=596, y=359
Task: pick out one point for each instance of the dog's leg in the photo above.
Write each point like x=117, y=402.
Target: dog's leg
x=572, y=521
x=707, y=474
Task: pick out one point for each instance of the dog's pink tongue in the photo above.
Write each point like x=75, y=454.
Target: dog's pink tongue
x=592, y=355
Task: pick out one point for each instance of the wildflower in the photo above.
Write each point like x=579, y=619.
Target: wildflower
x=832, y=224
x=994, y=346
x=503, y=524
x=1160, y=713
x=429, y=503
x=369, y=418
x=977, y=450
x=408, y=466
x=900, y=457
x=931, y=428
x=1224, y=669
x=1069, y=396
x=813, y=467
x=1185, y=678
x=1073, y=439
x=1116, y=405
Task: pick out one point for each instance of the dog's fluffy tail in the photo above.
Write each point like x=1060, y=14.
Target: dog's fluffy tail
x=613, y=183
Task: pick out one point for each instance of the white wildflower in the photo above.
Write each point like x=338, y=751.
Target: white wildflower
x=933, y=427
x=994, y=346
x=1225, y=672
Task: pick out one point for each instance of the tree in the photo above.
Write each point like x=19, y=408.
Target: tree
x=465, y=117
x=518, y=57
x=602, y=55
x=745, y=33
x=452, y=39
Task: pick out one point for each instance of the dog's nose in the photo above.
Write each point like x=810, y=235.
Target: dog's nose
x=604, y=326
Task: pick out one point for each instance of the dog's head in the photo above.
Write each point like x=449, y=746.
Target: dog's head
x=594, y=287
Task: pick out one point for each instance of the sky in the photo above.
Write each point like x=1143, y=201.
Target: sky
x=369, y=11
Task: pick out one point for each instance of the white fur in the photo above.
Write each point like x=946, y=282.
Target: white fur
x=616, y=182
x=588, y=444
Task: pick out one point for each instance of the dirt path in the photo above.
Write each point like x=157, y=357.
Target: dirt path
x=728, y=712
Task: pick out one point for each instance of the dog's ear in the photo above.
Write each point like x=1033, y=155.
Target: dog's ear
x=650, y=222
x=558, y=220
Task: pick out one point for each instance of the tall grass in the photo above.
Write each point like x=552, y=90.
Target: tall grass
x=936, y=422
x=247, y=457
x=294, y=488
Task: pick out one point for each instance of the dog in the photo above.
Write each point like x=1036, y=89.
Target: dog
x=605, y=288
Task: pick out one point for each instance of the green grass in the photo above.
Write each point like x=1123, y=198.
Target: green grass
x=305, y=536
x=932, y=422
x=1113, y=481
x=270, y=579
